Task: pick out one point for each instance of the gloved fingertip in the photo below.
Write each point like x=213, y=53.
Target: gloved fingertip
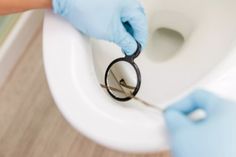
x=55, y=7
x=143, y=43
x=206, y=100
x=58, y=7
x=129, y=46
x=128, y=53
x=125, y=40
x=141, y=35
x=130, y=50
x=136, y=24
x=175, y=119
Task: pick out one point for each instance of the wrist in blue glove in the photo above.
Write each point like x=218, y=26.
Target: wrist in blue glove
x=119, y=21
x=214, y=136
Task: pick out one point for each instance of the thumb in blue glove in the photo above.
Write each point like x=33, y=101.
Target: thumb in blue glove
x=120, y=21
x=214, y=136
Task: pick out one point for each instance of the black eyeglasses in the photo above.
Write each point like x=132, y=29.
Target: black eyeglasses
x=123, y=78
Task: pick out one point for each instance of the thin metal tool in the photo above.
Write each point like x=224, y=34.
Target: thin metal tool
x=134, y=97
x=118, y=82
x=123, y=83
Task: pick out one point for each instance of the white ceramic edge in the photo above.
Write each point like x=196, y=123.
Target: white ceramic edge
x=101, y=135
x=17, y=41
x=87, y=131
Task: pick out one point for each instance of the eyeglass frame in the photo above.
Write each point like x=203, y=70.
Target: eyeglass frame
x=129, y=59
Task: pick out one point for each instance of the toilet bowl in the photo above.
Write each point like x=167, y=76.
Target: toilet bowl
x=191, y=45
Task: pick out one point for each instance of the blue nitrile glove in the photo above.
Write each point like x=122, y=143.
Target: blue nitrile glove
x=214, y=136
x=120, y=21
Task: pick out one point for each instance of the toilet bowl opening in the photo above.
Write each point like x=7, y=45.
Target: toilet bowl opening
x=164, y=44
x=168, y=32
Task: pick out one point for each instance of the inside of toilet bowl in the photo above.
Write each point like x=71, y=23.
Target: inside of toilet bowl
x=182, y=50
x=166, y=38
x=164, y=44
x=168, y=32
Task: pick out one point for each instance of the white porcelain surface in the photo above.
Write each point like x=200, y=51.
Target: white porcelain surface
x=75, y=66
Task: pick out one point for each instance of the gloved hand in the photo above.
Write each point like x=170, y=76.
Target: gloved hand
x=215, y=136
x=120, y=21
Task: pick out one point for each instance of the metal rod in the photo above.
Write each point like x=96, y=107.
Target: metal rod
x=123, y=83
x=118, y=83
x=112, y=88
x=136, y=98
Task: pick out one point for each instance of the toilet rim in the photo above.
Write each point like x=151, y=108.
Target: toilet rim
x=69, y=90
x=64, y=91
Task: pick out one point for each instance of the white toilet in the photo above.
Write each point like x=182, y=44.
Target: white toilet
x=191, y=45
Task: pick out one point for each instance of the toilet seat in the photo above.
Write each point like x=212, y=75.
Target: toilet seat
x=74, y=74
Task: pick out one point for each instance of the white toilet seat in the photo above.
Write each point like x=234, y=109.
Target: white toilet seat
x=73, y=81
